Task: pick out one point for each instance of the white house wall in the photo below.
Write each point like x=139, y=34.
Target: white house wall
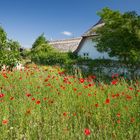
x=88, y=46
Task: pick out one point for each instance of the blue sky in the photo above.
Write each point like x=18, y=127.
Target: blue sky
x=25, y=20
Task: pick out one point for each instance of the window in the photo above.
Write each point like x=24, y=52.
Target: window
x=86, y=55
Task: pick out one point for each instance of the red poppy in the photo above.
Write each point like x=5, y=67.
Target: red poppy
x=87, y=131
x=107, y=101
x=128, y=97
x=1, y=95
x=64, y=114
x=118, y=121
x=80, y=93
x=89, y=94
x=38, y=102
x=4, y=121
x=118, y=115
x=75, y=89
x=45, y=80
x=81, y=80
x=33, y=99
x=114, y=82
x=97, y=105
x=130, y=88
x=11, y=98
x=132, y=120
x=28, y=94
x=5, y=76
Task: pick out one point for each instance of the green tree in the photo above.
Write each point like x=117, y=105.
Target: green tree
x=13, y=53
x=9, y=50
x=120, y=35
x=3, y=37
x=39, y=41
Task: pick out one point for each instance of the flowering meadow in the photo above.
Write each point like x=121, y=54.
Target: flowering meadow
x=43, y=103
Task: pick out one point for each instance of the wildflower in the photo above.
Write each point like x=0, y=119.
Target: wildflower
x=118, y=121
x=4, y=121
x=65, y=114
x=89, y=94
x=128, y=97
x=87, y=131
x=28, y=111
x=74, y=114
x=130, y=88
x=33, y=99
x=4, y=75
x=80, y=93
x=46, y=80
x=107, y=101
x=118, y=115
x=97, y=105
x=81, y=80
x=114, y=82
x=75, y=89
x=28, y=94
x=132, y=120
x=11, y=98
x=1, y=95
x=38, y=102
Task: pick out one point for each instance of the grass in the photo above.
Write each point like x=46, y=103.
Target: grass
x=45, y=104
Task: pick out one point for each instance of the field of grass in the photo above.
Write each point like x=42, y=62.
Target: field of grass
x=45, y=104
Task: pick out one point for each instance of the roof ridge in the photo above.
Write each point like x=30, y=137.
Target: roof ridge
x=93, y=26
x=70, y=39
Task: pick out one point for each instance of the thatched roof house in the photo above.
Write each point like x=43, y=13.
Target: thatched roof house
x=83, y=46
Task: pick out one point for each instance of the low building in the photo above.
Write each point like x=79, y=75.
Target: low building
x=83, y=46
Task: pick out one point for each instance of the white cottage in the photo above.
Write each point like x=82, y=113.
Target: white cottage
x=87, y=47
x=83, y=46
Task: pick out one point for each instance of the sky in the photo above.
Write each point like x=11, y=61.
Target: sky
x=25, y=20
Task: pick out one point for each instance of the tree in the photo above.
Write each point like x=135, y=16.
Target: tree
x=3, y=37
x=39, y=41
x=41, y=50
x=43, y=53
x=120, y=35
x=13, y=52
x=9, y=50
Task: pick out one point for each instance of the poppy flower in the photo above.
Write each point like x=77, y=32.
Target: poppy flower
x=132, y=120
x=107, y=101
x=81, y=80
x=28, y=94
x=118, y=115
x=4, y=121
x=1, y=95
x=11, y=98
x=33, y=99
x=87, y=131
x=97, y=105
x=118, y=121
x=114, y=82
x=64, y=114
x=130, y=88
x=38, y=102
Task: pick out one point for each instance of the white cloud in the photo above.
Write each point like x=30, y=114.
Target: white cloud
x=66, y=33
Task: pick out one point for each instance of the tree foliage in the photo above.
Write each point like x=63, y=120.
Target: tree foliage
x=43, y=53
x=120, y=35
x=39, y=41
x=9, y=50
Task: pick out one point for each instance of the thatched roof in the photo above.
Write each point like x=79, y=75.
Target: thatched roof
x=66, y=45
x=92, y=30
